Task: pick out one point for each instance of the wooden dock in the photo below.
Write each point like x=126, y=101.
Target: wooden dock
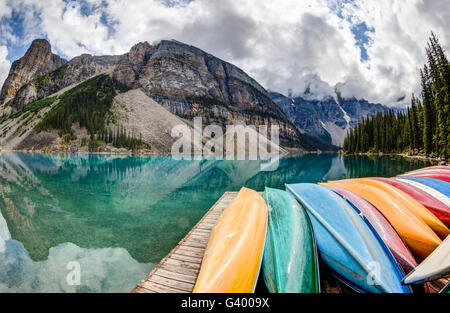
x=178, y=271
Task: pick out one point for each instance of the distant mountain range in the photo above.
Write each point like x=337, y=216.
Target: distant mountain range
x=329, y=118
x=149, y=90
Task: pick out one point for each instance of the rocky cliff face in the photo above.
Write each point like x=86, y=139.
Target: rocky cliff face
x=329, y=118
x=130, y=65
x=38, y=60
x=51, y=73
x=190, y=82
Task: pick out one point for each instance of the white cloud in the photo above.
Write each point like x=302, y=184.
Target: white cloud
x=101, y=270
x=283, y=43
x=4, y=64
x=397, y=47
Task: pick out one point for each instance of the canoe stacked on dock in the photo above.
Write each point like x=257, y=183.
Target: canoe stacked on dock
x=290, y=258
x=436, y=265
x=417, y=205
x=384, y=229
x=233, y=256
x=370, y=232
x=347, y=243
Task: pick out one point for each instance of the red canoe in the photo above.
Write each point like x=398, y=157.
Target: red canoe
x=441, y=176
x=436, y=207
x=384, y=229
x=431, y=169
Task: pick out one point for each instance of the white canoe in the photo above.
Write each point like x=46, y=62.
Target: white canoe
x=432, y=192
x=436, y=266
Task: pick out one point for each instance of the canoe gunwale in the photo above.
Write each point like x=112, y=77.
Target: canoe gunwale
x=446, y=288
x=262, y=252
x=380, y=240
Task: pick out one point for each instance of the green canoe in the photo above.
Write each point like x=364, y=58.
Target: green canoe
x=290, y=257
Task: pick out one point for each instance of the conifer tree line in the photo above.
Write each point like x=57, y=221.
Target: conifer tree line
x=120, y=138
x=424, y=128
x=89, y=104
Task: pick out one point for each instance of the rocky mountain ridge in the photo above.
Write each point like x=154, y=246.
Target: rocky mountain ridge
x=328, y=118
x=188, y=82
x=183, y=79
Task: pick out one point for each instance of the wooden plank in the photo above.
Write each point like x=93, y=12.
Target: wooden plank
x=142, y=290
x=158, y=288
x=187, y=255
x=177, y=276
x=178, y=271
x=183, y=265
x=173, y=283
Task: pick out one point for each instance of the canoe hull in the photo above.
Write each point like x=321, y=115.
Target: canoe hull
x=431, y=191
x=433, y=170
x=439, y=185
x=290, y=263
x=417, y=235
x=438, y=176
x=346, y=243
x=412, y=204
x=384, y=229
x=233, y=255
x=436, y=266
x=438, y=208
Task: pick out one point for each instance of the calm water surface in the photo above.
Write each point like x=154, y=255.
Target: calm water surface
x=119, y=216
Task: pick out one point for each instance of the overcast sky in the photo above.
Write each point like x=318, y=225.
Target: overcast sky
x=370, y=49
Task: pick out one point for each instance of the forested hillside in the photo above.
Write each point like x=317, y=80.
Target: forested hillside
x=424, y=129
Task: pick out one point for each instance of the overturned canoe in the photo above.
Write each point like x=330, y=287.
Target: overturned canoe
x=347, y=244
x=436, y=266
x=417, y=235
x=412, y=204
x=290, y=263
x=439, y=185
x=384, y=229
x=432, y=170
x=439, y=176
x=437, y=207
x=234, y=252
x=431, y=191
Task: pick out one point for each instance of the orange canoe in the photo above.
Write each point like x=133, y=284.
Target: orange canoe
x=415, y=206
x=417, y=235
x=234, y=253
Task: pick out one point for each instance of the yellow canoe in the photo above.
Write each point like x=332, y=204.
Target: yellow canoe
x=415, y=206
x=234, y=253
x=417, y=235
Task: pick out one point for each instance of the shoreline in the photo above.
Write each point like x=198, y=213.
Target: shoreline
x=290, y=153
x=414, y=157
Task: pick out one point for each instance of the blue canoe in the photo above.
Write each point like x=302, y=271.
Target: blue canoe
x=347, y=243
x=439, y=185
x=290, y=262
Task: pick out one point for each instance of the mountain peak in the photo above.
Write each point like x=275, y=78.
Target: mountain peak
x=39, y=44
x=38, y=60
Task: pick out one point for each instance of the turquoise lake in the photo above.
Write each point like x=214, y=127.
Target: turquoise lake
x=118, y=216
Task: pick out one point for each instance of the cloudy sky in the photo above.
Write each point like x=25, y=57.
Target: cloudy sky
x=370, y=49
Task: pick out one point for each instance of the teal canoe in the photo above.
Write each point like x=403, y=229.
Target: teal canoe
x=290, y=262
